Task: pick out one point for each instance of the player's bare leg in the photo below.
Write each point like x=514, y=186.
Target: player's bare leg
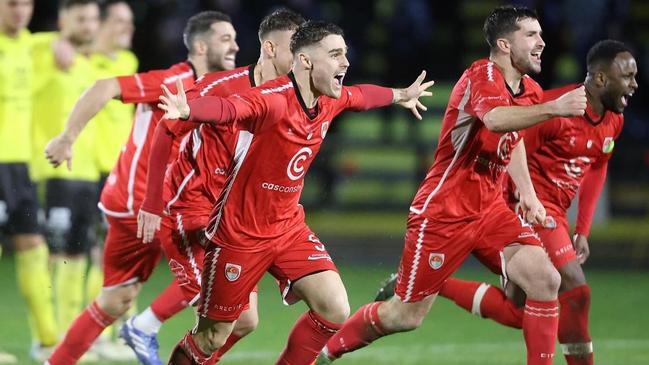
x=245, y=324
x=530, y=268
x=373, y=321
x=199, y=344
x=325, y=294
x=574, y=300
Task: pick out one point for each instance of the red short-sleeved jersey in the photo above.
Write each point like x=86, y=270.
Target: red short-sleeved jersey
x=125, y=187
x=470, y=160
x=561, y=150
x=195, y=179
x=278, y=141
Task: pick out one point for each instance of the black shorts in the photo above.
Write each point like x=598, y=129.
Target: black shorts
x=71, y=210
x=18, y=200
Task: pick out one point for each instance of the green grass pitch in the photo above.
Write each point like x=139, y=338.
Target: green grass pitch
x=619, y=324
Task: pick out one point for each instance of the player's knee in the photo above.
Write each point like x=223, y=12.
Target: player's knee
x=572, y=276
x=548, y=280
x=410, y=321
x=338, y=311
x=116, y=302
x=246, y=324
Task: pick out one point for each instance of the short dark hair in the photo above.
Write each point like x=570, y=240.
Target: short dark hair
x=280, y=19
x=602, y=54
x=313, y=32
x=105, y=5
x=201, y=24
x=67, y=4
x=503, y=20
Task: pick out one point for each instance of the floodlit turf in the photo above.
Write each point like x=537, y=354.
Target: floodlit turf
x=449, y=335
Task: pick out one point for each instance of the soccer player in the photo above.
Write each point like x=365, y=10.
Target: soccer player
x=194, y=183
x=257, y=224
x=459, y=207
x=18, y=202
x=210, y=39
x=111, y=57
x=567, y=155
x=70, y=196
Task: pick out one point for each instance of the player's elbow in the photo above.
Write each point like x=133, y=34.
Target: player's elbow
x=107, y=88
x=493, y=124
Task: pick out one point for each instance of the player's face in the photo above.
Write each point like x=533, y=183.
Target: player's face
x=15, y=14
x=283, y=60
x=80, y=23
x=329, y=65
x=222, y=47
x=119, y=24
x=620, y=83
x=527, y=46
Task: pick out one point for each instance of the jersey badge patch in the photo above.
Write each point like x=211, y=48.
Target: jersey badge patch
x=232, y=271
x=608, y=145
x=436, y=260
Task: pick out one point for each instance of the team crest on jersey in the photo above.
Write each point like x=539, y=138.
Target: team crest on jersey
x=232, y=271
x=436, y=260
x=608, y=145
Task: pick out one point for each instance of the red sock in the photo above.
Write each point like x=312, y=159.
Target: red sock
x=483, y=300
x=309, y=335
x=232, y=339
x=540, y=325
x=81, y=335
x=573, y=326
x=186, y=352
x=169, y=302
x=361, y=329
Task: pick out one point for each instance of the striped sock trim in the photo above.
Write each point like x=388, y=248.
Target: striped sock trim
x=582, y=348
x=541, y=312
x=477, y=298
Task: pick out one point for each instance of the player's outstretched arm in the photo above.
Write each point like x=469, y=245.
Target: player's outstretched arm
x=59, y=149
x=409, y=97
x=504, y=119
x=533, y=210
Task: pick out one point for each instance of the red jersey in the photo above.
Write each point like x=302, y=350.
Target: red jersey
x=466, y=177
x=278, y=141
x=195, y=179
x=125, y=187
x=561, y=150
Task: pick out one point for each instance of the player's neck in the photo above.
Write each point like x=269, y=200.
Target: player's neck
x=512, y=75
x=10, y=32
x=200, y=65
x=104, y=46
x=265, y=71
x=309, y=94
x=593, y=99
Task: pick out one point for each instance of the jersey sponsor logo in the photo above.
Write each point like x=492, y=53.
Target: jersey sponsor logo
x=436, y=260
x=608, y=145
x=295, y=169
x=281, y=188
x=575, y=166
x=232, y=271
x=319, y=256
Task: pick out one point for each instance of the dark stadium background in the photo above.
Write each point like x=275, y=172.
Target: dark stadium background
x=370, y=166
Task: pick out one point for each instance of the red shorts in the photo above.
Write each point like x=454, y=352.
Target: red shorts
x=434, y=250
x=126, y=259
x=557, y=241
x=230, y=275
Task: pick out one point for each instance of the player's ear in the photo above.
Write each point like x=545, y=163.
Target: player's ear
x=503, y=45
x=305, y=60
x=601, y=79
x=268, y=48
x=200, y=46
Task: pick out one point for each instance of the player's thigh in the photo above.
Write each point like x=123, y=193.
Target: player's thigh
x=432, y=252
x=501, y=230
x=301, y=254
x=185, y=253
x=126, y=259
x=229, y=277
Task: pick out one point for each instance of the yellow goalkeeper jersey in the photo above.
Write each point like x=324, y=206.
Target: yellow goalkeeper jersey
x=16, y=75
x=113, y=122
x=55, y=93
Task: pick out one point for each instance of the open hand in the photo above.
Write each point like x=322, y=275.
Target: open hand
x=147, y=226
x=409, y=97
x=174, y=105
